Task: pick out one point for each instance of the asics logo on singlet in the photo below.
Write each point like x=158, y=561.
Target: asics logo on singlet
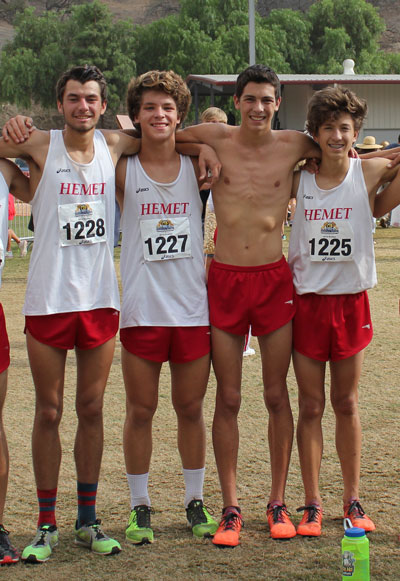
x=308, y=197
x=367, y=326
x=63, y=170
x=142, y=190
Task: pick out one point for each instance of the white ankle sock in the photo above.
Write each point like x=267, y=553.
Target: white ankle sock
x=138, y=488
x=194, y=480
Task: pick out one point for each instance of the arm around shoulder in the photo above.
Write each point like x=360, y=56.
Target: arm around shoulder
x=17, y=182
x=388, y=199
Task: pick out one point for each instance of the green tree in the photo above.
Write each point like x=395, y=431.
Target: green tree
x=291, y=35
x=96, y=39
x=344, y=29
x=31, y=64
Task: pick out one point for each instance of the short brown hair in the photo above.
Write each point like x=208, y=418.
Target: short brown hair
x=164, y=81
x=82, y=74
x=257, y=74
x=331, y=102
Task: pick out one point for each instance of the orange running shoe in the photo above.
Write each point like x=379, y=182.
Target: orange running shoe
x=280, y=525
x=227, y=534
x=355, y=512
x=311, y=523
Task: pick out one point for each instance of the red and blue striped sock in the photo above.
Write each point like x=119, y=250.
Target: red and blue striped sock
x=86, y=503
x=47, y=506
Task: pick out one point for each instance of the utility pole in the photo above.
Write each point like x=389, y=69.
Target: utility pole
x=252, y=35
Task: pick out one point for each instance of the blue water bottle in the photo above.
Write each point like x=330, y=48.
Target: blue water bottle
x=355, y=554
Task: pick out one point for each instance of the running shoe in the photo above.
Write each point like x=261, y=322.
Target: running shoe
x=139, y=530
x=42, y=545
x=280, y=525
x=8, y=554
x=355, y=512
x=200, y=520
x=91, y=537
x=311, y=523
x=228, y=532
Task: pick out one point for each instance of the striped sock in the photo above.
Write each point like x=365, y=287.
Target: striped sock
x=86, y=502
x=47, y=506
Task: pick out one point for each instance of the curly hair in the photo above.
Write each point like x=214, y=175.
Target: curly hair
x=330, y=103
x=164, y=81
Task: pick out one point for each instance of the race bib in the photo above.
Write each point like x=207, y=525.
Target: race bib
x=166, y=238
x=330, y=241
x=82, y=223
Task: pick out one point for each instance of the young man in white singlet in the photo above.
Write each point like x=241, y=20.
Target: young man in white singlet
x=72, y=298
x=250, y=202
x=331, y=255
x=11, y=180
x=164, y=314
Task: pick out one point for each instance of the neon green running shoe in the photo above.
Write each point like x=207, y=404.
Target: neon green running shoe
x=200, y=520
x=92, y=537
x=42, y=545
x=139, y=530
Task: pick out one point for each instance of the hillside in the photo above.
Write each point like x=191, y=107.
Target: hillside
x=143, y=11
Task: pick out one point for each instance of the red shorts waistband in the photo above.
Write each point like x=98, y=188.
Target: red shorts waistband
x=259, y=268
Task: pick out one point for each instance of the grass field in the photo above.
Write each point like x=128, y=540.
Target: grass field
x=175, y=554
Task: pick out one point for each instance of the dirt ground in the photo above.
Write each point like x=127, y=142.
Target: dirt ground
x=175, y=554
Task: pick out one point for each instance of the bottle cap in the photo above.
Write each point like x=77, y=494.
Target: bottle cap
x=354, y=532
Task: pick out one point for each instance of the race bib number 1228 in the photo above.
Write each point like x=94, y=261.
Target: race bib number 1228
x=82, y=223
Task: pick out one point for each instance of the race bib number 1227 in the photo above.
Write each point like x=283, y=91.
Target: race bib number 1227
x=166, y=239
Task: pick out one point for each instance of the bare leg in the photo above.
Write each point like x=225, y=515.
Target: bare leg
x=275, y=351
x=93, y=367
x=345, y=375
x=47, y=366
x=189, y=384
x=4, y=459
x=227, y=357
x=141, y=378
x=310, y=375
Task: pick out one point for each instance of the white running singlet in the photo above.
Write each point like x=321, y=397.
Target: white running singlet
x=71, y=267
x=331, y=248
x=162, y=263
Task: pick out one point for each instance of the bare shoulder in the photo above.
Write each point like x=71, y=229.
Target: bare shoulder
x=120, y=142
x=34, y=147
x=375, y=169
x=304, y=145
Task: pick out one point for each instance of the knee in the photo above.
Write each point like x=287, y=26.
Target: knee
x=345, y=406
x=276, y=398
x=191, y=411
x=48, y=416
x=311, y=409
x=228, y=402
x=139, y=414
x=90, y=410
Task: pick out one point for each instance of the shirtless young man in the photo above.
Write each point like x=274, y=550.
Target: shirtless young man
x=250, y=283
x=164, y=316
x=72, y=298
x=11, y=179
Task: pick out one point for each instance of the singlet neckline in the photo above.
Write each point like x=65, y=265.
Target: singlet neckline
x=162, y=183
x=71, y=159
